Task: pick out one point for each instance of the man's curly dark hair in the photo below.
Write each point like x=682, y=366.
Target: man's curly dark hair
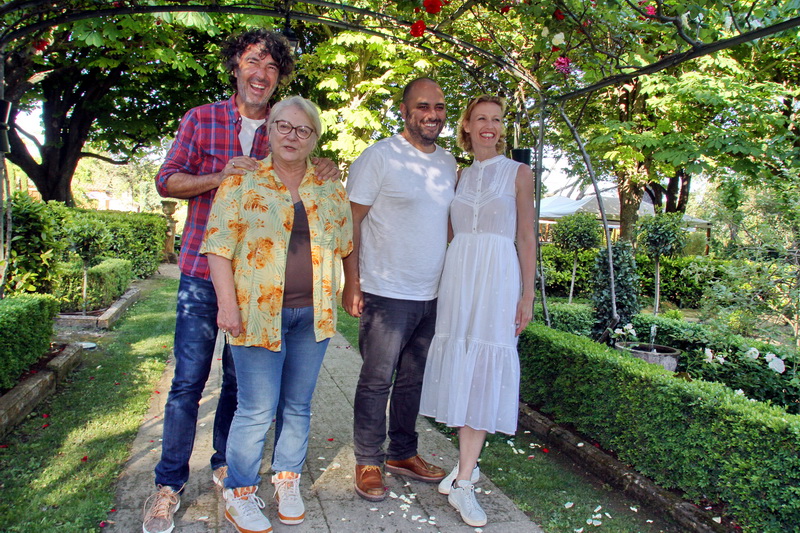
x=272, y=43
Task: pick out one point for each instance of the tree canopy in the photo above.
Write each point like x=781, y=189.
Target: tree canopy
x=115, y=75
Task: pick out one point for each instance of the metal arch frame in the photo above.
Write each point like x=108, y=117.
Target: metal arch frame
x=284, y=9
x=278, y=9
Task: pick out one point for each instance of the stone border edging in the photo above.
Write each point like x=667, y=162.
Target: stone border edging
x=18, y=403
x=617, y=474
x=108, y=318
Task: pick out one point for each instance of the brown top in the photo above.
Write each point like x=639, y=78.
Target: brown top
x=299, y=288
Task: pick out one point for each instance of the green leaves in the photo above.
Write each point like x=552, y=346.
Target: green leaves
x=661, y=235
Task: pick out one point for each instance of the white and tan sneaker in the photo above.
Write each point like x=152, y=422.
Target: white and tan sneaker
x=243, y=510
x=159, y=510
x=291, y=509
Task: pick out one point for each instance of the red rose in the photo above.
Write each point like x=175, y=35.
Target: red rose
x=555, y=49
x=40, y=44
x=505, y=9
x=558, y=14
x=432, y=6
x=418, y=28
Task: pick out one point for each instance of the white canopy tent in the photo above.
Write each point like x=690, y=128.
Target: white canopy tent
x=554, y=207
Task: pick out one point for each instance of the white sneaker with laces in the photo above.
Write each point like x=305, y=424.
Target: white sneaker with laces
x=462, y=498
x=447, y=482
x=291, y=509
x=159, y=510
x=243, y=510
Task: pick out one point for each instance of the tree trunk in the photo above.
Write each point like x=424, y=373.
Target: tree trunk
x=68, y=112
x=85, y=285
x=657, y=287
x=630, y=198
x=572, y=282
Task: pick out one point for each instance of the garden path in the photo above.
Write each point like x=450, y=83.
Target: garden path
x=327, y=488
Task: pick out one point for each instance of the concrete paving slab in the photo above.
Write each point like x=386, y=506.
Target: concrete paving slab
x=327, y=480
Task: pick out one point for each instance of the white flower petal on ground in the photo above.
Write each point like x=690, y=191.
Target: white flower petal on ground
x=569, y=505
x=752, y=353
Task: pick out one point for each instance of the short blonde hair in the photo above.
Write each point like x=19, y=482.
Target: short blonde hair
x=462, y=137
x=306, y=106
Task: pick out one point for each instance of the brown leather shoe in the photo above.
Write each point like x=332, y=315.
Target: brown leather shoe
x=416, y=468
x=369, y=483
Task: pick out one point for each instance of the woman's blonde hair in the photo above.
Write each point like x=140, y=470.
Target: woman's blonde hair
x=462, y=137
x=306, y=106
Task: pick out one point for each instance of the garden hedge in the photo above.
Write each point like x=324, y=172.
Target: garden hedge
x=698, y=437
x=137, y=237
x=27, y=324
x=683, y=278
x=107, y=282
x=752, y=376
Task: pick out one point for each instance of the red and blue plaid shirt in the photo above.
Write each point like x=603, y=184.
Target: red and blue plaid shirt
x=207, y=138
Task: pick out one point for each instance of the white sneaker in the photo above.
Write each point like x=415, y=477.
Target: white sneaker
x=291, y=509
x=243, y=510
x=462, y=498
x=447, y=482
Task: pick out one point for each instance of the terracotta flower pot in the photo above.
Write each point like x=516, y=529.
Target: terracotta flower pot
x=652, y=353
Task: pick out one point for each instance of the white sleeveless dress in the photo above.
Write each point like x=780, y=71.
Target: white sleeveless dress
x=472, y=371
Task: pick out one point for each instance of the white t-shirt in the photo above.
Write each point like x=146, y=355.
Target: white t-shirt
x=404, y=235
x=248, y=133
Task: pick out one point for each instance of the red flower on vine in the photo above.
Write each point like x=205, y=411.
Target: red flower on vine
x=650, y=10
x=40, y=44
x=418, y=28
x=558, y=14
x=505, y=9
x=432, y=6
x=562, y=64
x=555, y=49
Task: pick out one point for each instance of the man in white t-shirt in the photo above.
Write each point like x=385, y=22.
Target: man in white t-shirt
x=400, y=191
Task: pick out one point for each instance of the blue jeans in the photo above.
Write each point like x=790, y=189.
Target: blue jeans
x=394, y=337
x=195, y=337
x=276, y=385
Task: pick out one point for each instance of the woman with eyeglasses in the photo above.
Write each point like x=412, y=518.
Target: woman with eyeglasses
x=274, y=241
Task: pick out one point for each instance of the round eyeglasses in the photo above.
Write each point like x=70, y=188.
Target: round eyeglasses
x=285, y=128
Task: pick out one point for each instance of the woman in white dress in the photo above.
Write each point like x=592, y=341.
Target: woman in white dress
x=485, y=300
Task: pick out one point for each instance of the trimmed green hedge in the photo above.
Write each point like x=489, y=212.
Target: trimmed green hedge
x=739, y=372
x=683, y=278
x=575, y=317
x=557, y=266
x=27, y=325
x=698, y=437
x=107, y=282
x=137, y=237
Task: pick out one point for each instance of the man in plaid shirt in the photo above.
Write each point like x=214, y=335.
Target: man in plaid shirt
x=213, y=142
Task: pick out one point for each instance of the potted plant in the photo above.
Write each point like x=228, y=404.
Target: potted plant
x=625, y=340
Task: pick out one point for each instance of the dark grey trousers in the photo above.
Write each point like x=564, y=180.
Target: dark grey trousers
x=394, y=337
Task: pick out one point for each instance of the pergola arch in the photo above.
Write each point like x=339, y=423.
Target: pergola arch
x=38, y=15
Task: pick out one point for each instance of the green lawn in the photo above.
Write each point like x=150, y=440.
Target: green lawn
x=60, y=466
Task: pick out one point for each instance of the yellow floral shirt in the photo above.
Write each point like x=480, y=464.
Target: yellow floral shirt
x=250, y=224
